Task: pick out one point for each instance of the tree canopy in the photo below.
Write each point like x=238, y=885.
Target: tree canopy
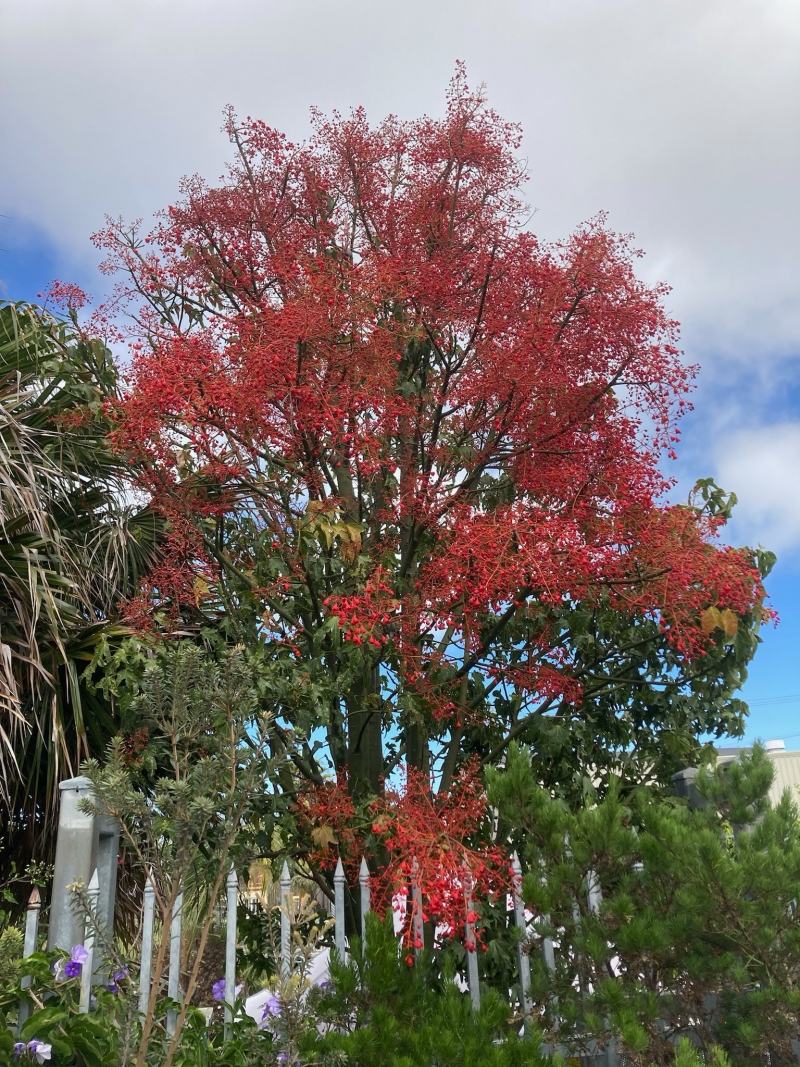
x=411, y=453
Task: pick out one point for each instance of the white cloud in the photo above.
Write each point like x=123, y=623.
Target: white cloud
x=680, y=116
x=763, y=468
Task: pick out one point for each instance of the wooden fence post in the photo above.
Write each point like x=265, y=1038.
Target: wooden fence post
x=28, y=949
x=174, y=977
x=89, y=937
x=146, y=963
x=339, y=883
x=230, y=947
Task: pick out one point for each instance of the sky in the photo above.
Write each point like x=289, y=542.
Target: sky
x=680, y=118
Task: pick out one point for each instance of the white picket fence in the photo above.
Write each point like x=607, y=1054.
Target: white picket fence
x=89, y=970
x=87, y=851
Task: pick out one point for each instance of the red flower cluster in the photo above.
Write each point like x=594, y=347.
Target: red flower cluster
x=363, y=616
x=65, y=295
x=426, y=839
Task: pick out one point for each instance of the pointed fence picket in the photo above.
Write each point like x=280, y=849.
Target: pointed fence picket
x=417, y=926
x=232, y=886
x=28, y=949
x=174, y=975
x=89, y=937
x=523, y=959
x=363, y=881
x=471, y=945
x=339, y=886
x=286, y=922
x=148, y=920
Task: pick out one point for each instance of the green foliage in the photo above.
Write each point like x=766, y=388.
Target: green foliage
x=69, y=548
x=698, y=933
x=381, y=1012
x=182, y=787
x=110, y=1034
x=686, y=1055
x=10, y=952
x=644, y=712
x=100, y=1039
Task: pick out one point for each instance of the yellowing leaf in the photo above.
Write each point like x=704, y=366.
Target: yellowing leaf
x=200, y=589
x=349, y=550
x=730, y=624
x=323, y=836
x=710, y=620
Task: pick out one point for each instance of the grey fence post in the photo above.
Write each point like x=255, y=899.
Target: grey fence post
x=174, y=976
x=471, y=945
x=523, y=958
x=75, y=861
x=28, y=949
x=286, y=924
x=417, y=929
x=86, y=842
x=89, y=938
x=363, y=881
x=684, y=783
x=230, y=947
x=107, y=834
x=148, y=919
x=339, y=883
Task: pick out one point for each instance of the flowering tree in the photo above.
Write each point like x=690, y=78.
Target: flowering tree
x=407, y=442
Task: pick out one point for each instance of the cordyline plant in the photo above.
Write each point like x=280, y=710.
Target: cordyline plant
x=410, y=452
x=182, y=794
x=72, y=544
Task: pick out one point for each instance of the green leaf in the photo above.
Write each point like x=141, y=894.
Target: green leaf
x=43, y=1020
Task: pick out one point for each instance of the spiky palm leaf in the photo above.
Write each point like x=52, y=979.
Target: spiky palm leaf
x=72, y=543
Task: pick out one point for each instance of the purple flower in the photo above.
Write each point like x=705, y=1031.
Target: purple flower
x=117, y=977
x=40, y=1050
x=79, y=954
x=74, y=964
x=19, y=1048
x=218, y=990
x=272, y=1007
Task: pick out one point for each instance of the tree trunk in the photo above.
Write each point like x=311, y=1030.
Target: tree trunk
x=417, y=751
x=365, y=739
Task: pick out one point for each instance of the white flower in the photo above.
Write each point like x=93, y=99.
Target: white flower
x=40, y=1050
